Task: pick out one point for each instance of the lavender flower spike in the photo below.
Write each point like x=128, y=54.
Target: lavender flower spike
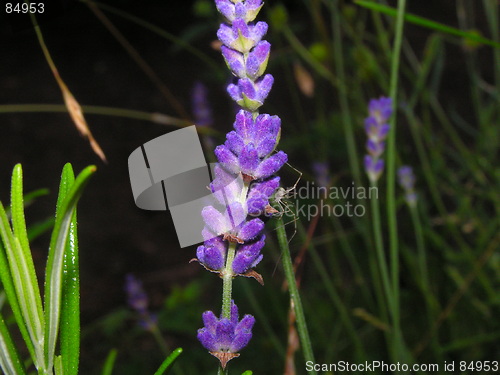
x=224, y=337
x=138, y=300
x=377, y=128
x=406, y=179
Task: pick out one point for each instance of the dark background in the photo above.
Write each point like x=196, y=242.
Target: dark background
x=115, y=236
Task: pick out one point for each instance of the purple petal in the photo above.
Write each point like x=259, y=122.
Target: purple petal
x=234, y=314
x=271, y=165
x=257, y=59
x=210, y=321
x=243, y=333
x=224, y=334
x=228, y=160
x=249, y=160
x=248, y=256
x=234, y=142
x=234, y=92
x=246, y=87
x=236, y=214
x=215, y=221
x=226, y=8
x=259, y=30
x=225, y=34
x=264, y=85
x=207, y=339
x=243, y=123
x=251, y=229
x=234, y=61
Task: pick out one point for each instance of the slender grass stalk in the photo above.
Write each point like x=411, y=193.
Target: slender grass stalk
x=294, y=293
x=381, y=258
x=347, y=122
x=155, y=117
x=391, y=181
x=344, y=314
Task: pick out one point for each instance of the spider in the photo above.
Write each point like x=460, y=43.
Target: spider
x=282, y=205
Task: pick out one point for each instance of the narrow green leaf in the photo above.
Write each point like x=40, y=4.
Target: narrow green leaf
x=10, y=292
x=10, y=363
x=24, y=293
x=169, y=361
x=30, y=280
x=109, y=363
x=58, y=365
x=54, y=270
x=70, y=299
x=424, y=22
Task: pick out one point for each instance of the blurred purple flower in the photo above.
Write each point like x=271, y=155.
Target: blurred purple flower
x=224, y=337
x=406, y=179
x=377, y=128
x=202, y=112
x=138, y=300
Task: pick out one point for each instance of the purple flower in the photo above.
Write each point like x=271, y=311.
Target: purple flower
x=224, y=337
x=201, y=108
x=406, y=179
x=232, y=225
x=248, y=256
x=138, y=300
x=321, y=173
x=255, y=64
x=377, y=128
x=374, y=167
x=247, y=10
x=249, y=94
x=212, y=254
x=240, y=36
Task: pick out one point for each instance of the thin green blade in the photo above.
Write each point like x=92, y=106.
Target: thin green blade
x=168, y=362
x=10, y=363
x=54, y=270
x=70, y=298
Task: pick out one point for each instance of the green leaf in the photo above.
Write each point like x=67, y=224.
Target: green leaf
x=9, y=288
x=58, y=365
x=70, y=298
x=10, y=363
x=55, y=262
x=22, y=271
x=424, y=22
x=247, y=372
x=168, y=362
x=110, y=362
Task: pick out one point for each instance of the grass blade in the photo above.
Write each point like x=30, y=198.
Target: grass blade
x=54, y=270
x=20, y=232
x=10, y=292
x=110, y=362
x=70, y=298
x=19, y=263
x=10, y=363
x=424, y=22
x=168, y=362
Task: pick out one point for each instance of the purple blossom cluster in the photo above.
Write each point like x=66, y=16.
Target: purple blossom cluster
x=225, y=337
x=406, y=179
x=377, y=128
x=245, y=175
x=138, y=300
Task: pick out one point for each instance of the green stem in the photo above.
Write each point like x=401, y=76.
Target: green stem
x=344, y=106
x=294, y=293
x=379, y=249
x=391, y=182
x=227, y=281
